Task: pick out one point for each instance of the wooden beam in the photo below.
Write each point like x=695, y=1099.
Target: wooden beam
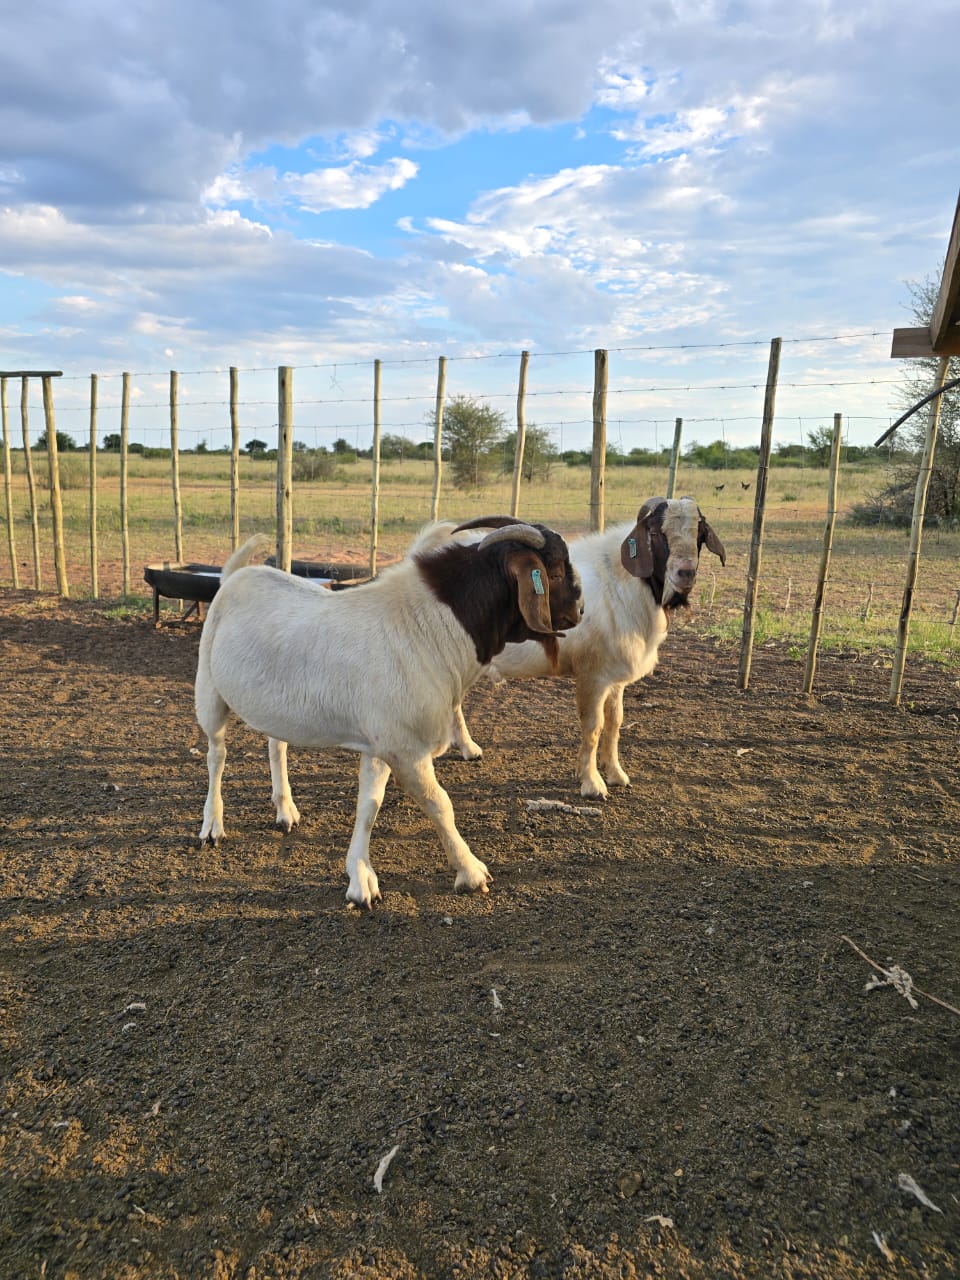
x=31, y=373
x=945, y=308
x=916, y=343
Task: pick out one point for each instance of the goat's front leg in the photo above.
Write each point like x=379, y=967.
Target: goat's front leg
x=460, y=738
x=420, y=782
x=590, y=700
x=610, y=742
x=364, y=888
x=288, y=815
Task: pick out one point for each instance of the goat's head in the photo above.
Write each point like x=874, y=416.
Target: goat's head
x=533, y=562
x=663, y=548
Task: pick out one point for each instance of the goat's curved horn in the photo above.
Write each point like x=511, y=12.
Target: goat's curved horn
x=524, y=533
x=649, y=507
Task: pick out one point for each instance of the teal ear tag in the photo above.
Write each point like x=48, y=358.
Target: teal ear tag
x=537, y=582
x=632, y=548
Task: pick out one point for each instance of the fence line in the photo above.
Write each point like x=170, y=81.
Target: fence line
x=284, y=479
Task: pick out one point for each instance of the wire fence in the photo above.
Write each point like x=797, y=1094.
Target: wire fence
x=334, y=408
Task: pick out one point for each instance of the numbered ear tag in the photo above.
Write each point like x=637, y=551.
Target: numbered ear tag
x=632, y=548
x=537, y=582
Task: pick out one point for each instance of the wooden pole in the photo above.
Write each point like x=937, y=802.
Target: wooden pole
x=234, y=460
x=521, y=433
x=94, y=568
x=438, y=437
x=375, y=479
x=598, y=460
x=674, y=458
x=175, y=465
x=31, y=483
x=759, y=513
x=285, y=468
x=816, y=623
x=8, y=486
x=916, y=536
x=124, y=475
x=56, y=498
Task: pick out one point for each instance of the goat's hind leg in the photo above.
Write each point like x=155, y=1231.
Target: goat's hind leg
x=364, y=888
x=288, y=815
x=212, y=713
x=420, y=782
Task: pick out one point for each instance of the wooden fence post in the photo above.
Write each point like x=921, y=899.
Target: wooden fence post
x=438, y=438
x=234, y=461
x=759, y=512
x=285, y=468
x=8, y=486
x=92, y=507
x=817, y=620
x=124, y=476
x=375, y=478
x=175, y=465
x=56, y=500
x=916, y=536
x=674, y=458
x=598, y=459
x=521, y=434
x=31, y=482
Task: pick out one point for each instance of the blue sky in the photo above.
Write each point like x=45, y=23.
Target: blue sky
x=195, y=186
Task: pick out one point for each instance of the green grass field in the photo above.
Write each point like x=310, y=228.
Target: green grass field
x=332, y=520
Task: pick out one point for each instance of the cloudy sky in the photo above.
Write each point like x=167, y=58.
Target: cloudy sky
x=195, y=186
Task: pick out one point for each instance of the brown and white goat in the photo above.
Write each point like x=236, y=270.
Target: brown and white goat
x=633, y=577
x=378, y=669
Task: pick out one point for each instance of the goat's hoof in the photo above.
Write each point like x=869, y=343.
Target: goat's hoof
x=594, y=791
x=364, y=890
x=477, y=880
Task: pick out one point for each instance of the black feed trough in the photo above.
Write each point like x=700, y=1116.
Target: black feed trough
x=199, y=583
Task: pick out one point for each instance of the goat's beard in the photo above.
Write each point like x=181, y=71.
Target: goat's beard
x=679, y=600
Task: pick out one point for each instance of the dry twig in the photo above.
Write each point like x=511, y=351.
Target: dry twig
x=895, y=977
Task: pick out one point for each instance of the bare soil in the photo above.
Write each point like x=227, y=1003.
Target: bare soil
x=647, y=1052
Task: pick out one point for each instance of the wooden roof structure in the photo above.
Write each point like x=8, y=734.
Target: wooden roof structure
x=942, y=336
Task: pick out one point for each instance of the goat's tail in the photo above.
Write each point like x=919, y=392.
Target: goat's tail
x=432, y=536
x=244, y=554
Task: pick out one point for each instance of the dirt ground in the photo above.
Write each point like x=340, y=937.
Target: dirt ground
x=648, y=1052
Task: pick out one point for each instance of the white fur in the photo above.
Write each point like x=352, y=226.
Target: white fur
x=379, y=669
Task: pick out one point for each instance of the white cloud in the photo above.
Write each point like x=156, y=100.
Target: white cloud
x=352, y=186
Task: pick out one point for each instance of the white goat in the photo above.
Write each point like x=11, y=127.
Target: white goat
x=632, y=578
x=378, y=669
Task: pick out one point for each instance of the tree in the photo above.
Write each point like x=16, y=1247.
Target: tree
x=894, y=503
x=65, y=443
x=539, y=454
x=821, y=445
x=393, y=446
x=255, y=447
x=473, y=432
x=943, y=496
x=112, y=443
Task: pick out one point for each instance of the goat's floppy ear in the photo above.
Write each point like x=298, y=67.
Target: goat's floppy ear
x=710, y=540
x=635, y=554
x=533, y=590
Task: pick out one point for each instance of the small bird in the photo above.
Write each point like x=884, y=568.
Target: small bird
x=744, y=484
x=717, y=488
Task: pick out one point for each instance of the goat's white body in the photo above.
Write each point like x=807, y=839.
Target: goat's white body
x=380, y=669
